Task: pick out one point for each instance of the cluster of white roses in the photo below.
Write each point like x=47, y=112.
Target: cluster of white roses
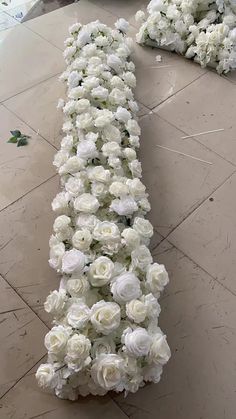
x=105, y=335
x=204, y=30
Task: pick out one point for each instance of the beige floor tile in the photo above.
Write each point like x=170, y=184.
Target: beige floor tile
x=208, y=235
x=21, y=344
x=122, y=8
x=176, y=184
x=157, y=81
x=9, y=300
x=198, y=316
x=33, y=60
x=41, y=114
x=82, y=11
x=27, y=401
x=21, y=168
x=25, y=230
x=207, y=104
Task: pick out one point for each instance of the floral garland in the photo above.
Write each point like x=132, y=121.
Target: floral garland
x=203, y=30
x=105, y=334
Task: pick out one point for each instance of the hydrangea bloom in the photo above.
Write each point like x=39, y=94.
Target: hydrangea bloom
x=105, y=334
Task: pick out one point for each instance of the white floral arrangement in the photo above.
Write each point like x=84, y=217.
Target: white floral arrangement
x=105, y=334
x=203, y=30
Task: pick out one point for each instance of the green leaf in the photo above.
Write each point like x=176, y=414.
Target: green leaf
x=16, y=133
x=22, y=141
x=12, y=140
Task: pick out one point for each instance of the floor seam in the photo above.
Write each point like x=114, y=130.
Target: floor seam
x=203, y=269
x=28, y=192
x=19, y=379
x=119, y=407
x=30, y=87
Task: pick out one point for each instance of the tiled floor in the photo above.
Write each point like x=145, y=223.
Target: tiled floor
x=194, y=206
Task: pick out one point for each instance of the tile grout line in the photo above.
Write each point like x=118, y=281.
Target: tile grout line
x=28, y=192
x=27, y=304
x=30, y=87
x=33, y=129
x=19, y=379
x=203, y=269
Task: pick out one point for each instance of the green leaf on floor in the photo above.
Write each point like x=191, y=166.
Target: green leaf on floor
x=18, y=138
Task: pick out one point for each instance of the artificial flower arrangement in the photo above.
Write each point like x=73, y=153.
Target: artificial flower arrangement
x=105, y=334
x=203, y=30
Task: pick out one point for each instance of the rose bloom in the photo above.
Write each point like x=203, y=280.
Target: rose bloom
x=77, y=287
x=86, y=203
x=126, y=287
x=137, y=342
x=141, y=257
x=78, y=350
x=105, y=317
x=78, y=315
x=101, y=271
x=143, y=227
x=136, y=310
x=55, y=302
x=104, y=345
x=126, y=205
x=82, y=239
x=107, y=371
x=46, y=376
x=56, y=340
x=159, y=350
x=106, y=231
x=157, y=278
x=73, y=260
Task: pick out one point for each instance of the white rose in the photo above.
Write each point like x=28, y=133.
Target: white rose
x=136, y=187
x=61, y=223
x=111, y=148
x=134, y=141
x=152, y=305
x=55, y=341
x=78, y=350
x=87, y=149
x=98, y=189
x=67, y=143
x=57, y=252
x=133, y=106
x=132, y=127
x=118, y=189
x=107, y=371
x=126, y=287
x=141, y=257
x=106, y=231
x=104, y=345
x=105, y=317
x=100, y=271
x=91, y=136
x=45, y=375
x=55, y=302
x=73, y=260
x=122, y=114
x=60, y=202
x=140, y=17
x=103, y=117
x=122, y=25
x=152, y=373
x=129, y=78
x=159, y=350
x=129, y=153
x=135, y=168
x=84, y=121
x=131, y=238
x=100, y=93
x=124, y=206
x=101, y=41
x=143, y=227
x=136, y=310
x=60, y=158
x=99, y=174
x=78, y=315
x=73, y=165
x=77, y=287
x=116, y=81
x=145, y=205
x=82, y=239
x=86, y=203
x=91, y=82
x=76, y=93
x=74, y=186
x=157, y=278
x=87, y=221
x=117, y=97
x=137, y=342
x=112, y=133
x=74, y=77
x=114, y=62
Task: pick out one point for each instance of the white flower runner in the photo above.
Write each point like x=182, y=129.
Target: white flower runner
x=203, y=30
x=105, y=334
